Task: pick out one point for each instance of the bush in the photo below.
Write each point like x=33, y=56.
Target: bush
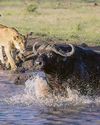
x=90, y=1
x=32, y=7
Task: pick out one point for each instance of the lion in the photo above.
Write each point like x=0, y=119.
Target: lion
x=10, y=39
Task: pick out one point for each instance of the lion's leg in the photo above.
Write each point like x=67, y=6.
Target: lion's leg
x=1, y=55
x=10, y=59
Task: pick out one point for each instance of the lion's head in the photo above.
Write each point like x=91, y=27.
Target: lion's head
x=19, y=43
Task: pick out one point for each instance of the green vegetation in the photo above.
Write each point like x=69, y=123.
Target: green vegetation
x=75, y=21
x=32, y=7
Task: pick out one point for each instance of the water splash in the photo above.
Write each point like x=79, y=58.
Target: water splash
x=37, y=85
x=44, y=97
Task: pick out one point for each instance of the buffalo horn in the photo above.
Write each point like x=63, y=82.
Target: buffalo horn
x=34, y=49
x=61, y=53
x=41, y=47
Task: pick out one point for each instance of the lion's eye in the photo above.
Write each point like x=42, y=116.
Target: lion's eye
x=16, y=37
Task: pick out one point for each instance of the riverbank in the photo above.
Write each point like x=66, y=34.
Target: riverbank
x=74, y=21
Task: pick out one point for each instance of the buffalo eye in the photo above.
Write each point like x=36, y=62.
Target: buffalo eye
x=49, y=55
x=64, y=59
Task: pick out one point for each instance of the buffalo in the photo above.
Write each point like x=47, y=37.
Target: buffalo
x=77, y=66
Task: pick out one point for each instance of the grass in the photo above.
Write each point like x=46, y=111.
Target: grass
x=75, y=21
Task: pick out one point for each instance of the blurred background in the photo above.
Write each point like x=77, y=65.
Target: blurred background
x=76, y=21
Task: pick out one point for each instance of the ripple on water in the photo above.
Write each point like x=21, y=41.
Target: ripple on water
x=19, y=105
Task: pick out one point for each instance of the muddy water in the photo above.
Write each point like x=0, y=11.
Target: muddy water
x=18, y=107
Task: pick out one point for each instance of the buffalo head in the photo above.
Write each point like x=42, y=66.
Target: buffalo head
x=52, y=58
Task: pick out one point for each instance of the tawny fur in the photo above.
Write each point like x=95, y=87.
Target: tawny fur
x=10, y=39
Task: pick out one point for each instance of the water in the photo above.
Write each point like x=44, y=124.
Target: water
x=19, y=106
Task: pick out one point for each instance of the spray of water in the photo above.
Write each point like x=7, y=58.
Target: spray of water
x=37, y=91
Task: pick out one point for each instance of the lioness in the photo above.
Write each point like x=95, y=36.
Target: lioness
x=10, y=39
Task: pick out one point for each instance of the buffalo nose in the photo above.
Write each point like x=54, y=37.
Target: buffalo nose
x=38, y=63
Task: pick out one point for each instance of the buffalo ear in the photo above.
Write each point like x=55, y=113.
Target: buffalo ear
x=84, y=45
x=28, y=35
